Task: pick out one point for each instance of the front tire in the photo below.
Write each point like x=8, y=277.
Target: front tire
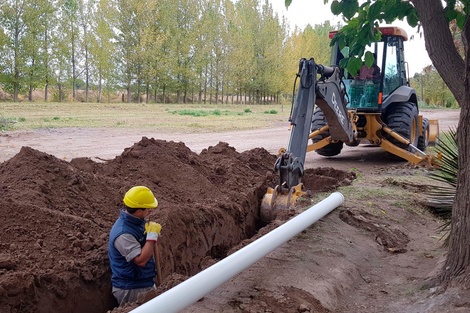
x=318, y=121
x=402, y=118
x=423, y=140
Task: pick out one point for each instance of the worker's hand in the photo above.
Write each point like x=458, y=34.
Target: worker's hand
x=152, y=230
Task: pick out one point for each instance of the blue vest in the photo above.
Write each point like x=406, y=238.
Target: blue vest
x=128, y=275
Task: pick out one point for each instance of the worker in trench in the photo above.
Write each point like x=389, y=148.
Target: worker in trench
x=131, y=246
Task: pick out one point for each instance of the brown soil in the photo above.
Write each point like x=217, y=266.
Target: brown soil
x=56, y=215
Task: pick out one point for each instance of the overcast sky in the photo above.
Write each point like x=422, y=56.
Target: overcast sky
x=303, y=12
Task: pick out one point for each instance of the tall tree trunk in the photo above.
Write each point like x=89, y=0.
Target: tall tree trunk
x=74, y=76
x=147, y=93
x=199, y=98
x=205, y=85
x=31, y=75
x=457, y=266
x=87, y=75
x=139, y=86
x=46, y=87
x=211, y=86
x=60, y=92
x=438, y=39
x=217, y=91
x=222, y=93
x=442, y=52
x=163, y=93
x=155, y=92
x=100, y=87
x=16, y=77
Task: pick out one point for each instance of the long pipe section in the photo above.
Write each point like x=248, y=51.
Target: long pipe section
x=196, y=287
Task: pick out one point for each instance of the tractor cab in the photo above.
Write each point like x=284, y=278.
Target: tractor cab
x=373, y=90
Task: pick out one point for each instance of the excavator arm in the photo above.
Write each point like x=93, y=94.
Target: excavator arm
x=328, y=93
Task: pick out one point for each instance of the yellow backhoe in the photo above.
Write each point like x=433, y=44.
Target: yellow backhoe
x=333, y=108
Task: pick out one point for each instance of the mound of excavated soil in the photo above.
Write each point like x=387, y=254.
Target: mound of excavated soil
x=56, y=216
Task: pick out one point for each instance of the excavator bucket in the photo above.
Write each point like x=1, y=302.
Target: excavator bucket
x=275, y=199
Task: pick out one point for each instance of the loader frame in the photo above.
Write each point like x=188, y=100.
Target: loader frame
x=374, y=129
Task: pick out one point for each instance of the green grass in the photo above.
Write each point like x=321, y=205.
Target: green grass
x=198, y=113
x=6, y=123
x=162, y=117
x=379, y=194
x=270, y=112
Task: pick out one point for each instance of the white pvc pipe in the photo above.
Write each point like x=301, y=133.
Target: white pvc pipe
x=196, y=287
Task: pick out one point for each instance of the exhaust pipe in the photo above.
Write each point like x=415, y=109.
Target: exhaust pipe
x=196, y=287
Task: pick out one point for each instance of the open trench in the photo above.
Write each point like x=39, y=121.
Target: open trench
x=57, y=215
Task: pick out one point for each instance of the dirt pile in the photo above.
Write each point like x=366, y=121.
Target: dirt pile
x=56, y=216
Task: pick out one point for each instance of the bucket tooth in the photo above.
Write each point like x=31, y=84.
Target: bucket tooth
x=275, y=199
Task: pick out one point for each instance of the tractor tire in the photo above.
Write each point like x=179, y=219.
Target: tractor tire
x=402, y=118
x=318, y=121
x=423, y=140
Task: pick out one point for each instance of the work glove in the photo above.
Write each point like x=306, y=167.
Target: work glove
x=152, y=230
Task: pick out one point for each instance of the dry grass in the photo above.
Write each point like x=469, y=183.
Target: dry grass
x=164, y=117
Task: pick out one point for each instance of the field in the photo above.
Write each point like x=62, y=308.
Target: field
x=376, y=253
x=159, y=117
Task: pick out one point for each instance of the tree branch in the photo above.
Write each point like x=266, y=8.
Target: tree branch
x=440, y=46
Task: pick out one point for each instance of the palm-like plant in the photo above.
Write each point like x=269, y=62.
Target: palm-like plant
x=441, y=198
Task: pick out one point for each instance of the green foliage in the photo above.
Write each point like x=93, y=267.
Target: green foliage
x=432, y=90
x=369, y=59
x=152, y=47
x=247, y=111
x=5, y=123
x=60, y=95
x=441, y=197
x=347, y=8
x=270, y=112
x=447, y=162
x=312, y=41
x=71, y=6
x=362, y=21
x=197, y=113
x=356, y=171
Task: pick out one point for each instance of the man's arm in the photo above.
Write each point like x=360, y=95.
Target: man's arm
x=146, y=253
x=130, y=248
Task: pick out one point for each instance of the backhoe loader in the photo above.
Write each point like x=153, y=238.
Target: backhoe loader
x=337, y=108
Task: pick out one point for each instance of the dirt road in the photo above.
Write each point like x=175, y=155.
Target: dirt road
x=106, y=143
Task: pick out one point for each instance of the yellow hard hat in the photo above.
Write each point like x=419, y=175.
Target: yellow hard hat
x=140, y=197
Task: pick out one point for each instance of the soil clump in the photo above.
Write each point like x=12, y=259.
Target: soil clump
x=56, y=216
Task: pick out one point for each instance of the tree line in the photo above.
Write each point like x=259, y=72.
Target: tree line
x=149, y=50
x=431, y=88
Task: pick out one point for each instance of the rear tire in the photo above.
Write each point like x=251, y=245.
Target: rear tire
x=318, y=121
x=423, y=140
x=402, y=118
